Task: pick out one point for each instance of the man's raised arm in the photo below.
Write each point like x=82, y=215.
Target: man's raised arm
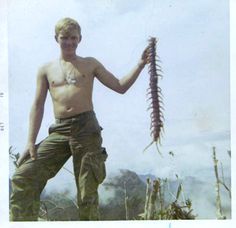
x=123, y=84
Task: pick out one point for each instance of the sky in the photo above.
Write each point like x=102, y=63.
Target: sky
x=193, y=45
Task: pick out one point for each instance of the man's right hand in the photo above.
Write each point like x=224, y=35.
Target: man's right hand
x=30, y=150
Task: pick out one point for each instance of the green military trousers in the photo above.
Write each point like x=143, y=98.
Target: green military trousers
x=79, y=137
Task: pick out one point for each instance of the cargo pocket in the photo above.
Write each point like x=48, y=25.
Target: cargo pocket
x=95, y=162
x=99, y=167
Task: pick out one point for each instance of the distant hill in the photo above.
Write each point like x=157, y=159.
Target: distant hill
x=202, y=194
x=113, y=208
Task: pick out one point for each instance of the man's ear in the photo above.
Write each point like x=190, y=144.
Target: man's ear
x=80, y=38
x=56, y=38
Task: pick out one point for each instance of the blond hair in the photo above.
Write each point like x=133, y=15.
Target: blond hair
x=65, y=25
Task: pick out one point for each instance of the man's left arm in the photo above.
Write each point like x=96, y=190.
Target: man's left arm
x=123, y=84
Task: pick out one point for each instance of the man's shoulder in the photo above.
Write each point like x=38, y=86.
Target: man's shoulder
x=43, y=70
x=45, y=67
x=95, y=63
x=89, y=60
x=90, y=63
x=48, y=64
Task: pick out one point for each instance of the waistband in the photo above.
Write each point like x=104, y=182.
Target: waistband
x=75, y=117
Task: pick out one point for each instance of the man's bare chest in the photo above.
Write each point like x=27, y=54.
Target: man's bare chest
x=64, y=74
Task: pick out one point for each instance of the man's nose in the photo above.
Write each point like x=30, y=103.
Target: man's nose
x=69, y=41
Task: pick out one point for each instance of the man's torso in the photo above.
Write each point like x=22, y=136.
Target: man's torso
x=71, y=86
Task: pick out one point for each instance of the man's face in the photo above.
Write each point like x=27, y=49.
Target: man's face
x=68, y=41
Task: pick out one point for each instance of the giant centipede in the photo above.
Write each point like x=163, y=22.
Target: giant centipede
x=154, y=94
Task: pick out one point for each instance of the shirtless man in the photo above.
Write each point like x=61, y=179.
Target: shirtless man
x=76, y=131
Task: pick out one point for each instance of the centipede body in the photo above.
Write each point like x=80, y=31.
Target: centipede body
x=154, y=94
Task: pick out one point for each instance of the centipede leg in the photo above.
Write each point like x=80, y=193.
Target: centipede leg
x=148, y=146
x=158, y=149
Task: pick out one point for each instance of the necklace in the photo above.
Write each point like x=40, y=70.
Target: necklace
x=69, y=76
